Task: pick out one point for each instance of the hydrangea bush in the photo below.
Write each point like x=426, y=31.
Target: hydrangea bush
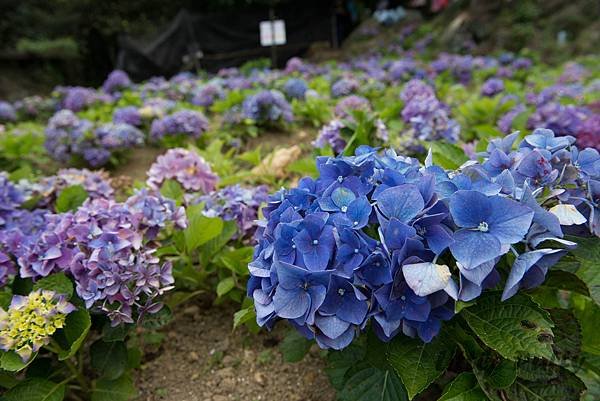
x=382, y=243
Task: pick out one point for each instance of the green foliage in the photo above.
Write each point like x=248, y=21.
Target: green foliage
x=417, y=363
x=57, y=282
x=77, y=326
x=294, y=346
x=109, y=359
x=70, y=198
x=36, y=389
x=120, y=389
x=463, y=388
x=516, y=328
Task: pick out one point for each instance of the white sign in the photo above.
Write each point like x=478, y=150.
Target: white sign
x=272, y=32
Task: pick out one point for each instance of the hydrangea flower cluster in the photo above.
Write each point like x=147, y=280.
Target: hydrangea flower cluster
x=207, y=95
x=31, y=320
x=295, y=88
x=492, y=87
x=344, y=87
x=236, y=203
x=7, y=112
x=97, y=184
x=77, y=98
x=331, y=134
x=185, y=122
x=347, y=105
x=128, y=115
x=428, y=117
x=116, y=81
x=267, y=106
x=67, y=136
x=381, y=238
x=188, y=168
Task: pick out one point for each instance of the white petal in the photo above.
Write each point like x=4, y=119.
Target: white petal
x=426, y=278
x=568, y=215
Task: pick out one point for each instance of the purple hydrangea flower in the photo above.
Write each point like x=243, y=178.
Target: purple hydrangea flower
x=344, y=87
x=185, y=122
x=267, y=106
x=127, y=115
x=66, y=135
x=492, y=87
x=588, y=134
x=347, y=105
x=77, y=98
x=563, y=120
x=295, y=88
x=188, y=168
x=7, y=112
x=116, y=81
x=207, y=95
x=331, y=135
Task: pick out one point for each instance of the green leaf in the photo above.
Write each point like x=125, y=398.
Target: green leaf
x=109, y=359
x=294, y=346
x=12, y=362
x=121, y=389
x=70, y=198
x=516, y=328
x=57, y=282
x=463, y=388
x=540, y=380
x=587, y=254
x=172, y=189
x=243, y=315
x=588, y=315
x=340, y=362
x=225, y=286
x=36, y=389
x=567, y=335
x=5, y=298
x=201, y=229
x=372, y=384
x=158, y=319
x=237, y=260
x=417, y=363
x=447, y=155
x=117, y=333
x=503, y=374
x=212, y=247
x=77, y=326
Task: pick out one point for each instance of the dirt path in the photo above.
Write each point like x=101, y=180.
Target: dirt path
x=203, y=360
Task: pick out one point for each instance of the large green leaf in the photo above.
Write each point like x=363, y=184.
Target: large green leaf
x=71, y=198
x=12, y=362
x=567, y=335
x=35, y=389
x=77, y=326
x=516, y=328
x=540, y=380
x=587, y=254
x=57, y=282
x=340, y=362
x=588, y=316
x=201, y=229
x=372, y=384
x=109, y=359
x=212, y=247
x=121, y=389
x=447, y=155
x=463, y=388
x=172, y=189
x=294, y=346
x=417, y=363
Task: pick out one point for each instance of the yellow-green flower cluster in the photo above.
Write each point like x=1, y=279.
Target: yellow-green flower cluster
x=31, y=320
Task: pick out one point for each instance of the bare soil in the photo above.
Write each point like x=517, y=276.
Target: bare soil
x=202, y=359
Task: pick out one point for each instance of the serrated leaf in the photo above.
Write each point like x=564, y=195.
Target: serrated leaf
x=565, y=281
x=447, y=155
x=372, y=384
x=158, y=319
x=294, y=346
x=172, y=189
x=12, y=362
x=35, y=389
x=463, y=388
x=109, y=359
x=77, y=326
x=201, y=229
x=587, y=254
x=503, y=374
x=211, y=248
x=225, y=285
x=515, y=328
x=57, y=282
x=121, y=389
x=567, y=334
x=588, y=316
x=340, y=362
x=70, y=198
x=417, y=363
x=540, y=380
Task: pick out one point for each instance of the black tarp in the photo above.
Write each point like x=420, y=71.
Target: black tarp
x=223, y=40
